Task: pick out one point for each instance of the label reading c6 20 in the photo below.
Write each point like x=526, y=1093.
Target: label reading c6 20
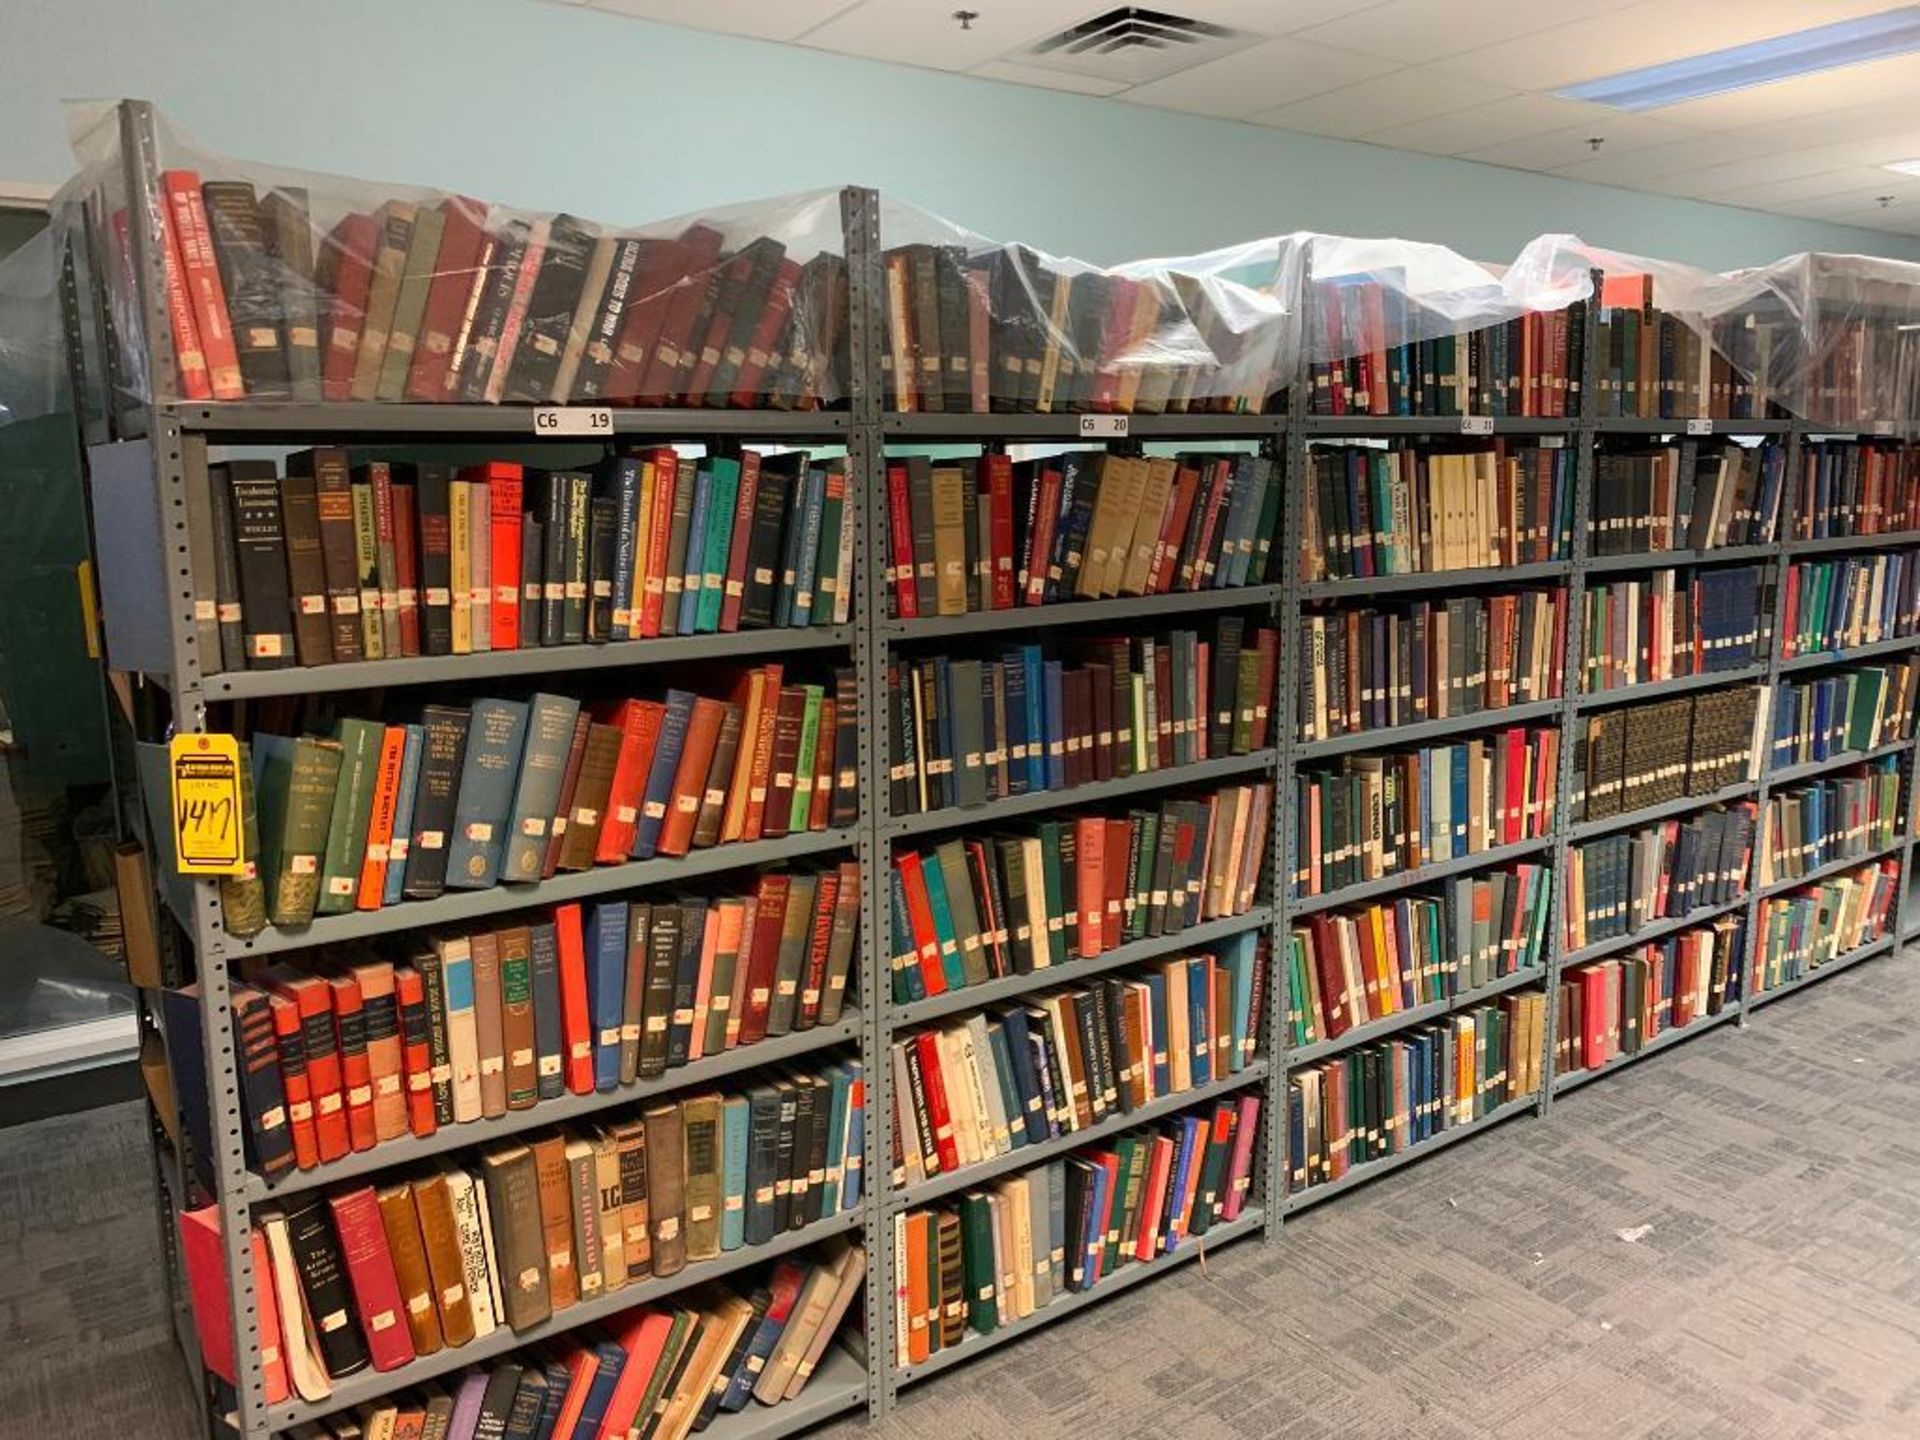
x=1103, y=427
x=572, y=420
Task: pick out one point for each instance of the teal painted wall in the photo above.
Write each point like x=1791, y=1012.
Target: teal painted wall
x=560, y=107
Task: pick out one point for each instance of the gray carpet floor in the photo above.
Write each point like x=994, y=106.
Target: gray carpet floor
x=1770, y=1177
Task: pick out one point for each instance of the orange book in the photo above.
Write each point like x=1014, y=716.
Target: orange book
x=639, y=724
x=750, y=695
x=356, y=1071
x=582, y=1365
x=666, y=472
x=386, y=797
x=293, y=1077
x=914, y=1265
x=1113, y=869
x=416, y=1055
x=202, y=272
x=1146, y=1239
x=643, y=1338
x=820, y=806
x=1090, y=843
x=380, y=1009
x=504, y=486
x=703, y=985
x=926, y=939
x=576, y=1026
x=760, y=773
x=188, y=358
x=690, y=779
x=203, y=1256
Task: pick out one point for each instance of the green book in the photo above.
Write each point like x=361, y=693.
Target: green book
x=954, y=872
x=359, y=742
x=1126, y=1152
x=937, y=901
x=803, y=761
x=410, y=302
x=1265, y=526
x=826, y=570
x=677, y=1337
x=1146, y=847
x=243, y=898
x=715, y=543
x=300, y=780
x=1050, y=834
x=978, y=1265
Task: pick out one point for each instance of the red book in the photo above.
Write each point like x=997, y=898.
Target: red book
x=763, y=960
x=745, y=501
x=643, y=1337
x=189, y=359
x=702, y=244
x=202, y=273
x=313, y=999
x=380, y=1013
x=666, y=477
x=569, y=788
x=813, y=975
x=1090, y=844
x=788, y=716
x=504, y=485
x=639, y=725
x=386, y=797
x=406, y=567
x=1119, y=845
x=1594, y=1015
x=1123, y=298
x=999, y=480
x=926, y=940
x=293, y=1080
x=1203, y=553
x=906, y=599
x=1097, y=1253
x=1337, y=1011
x=204, y=1257
x=416, y=1053
x=993, y=925
x=760, y=773
x=582, y=1365
x=454, y=277
x=926, y=1049
x=1046, y=515
x=663, y=263
x=766, y=334
x=376, y=1291
x=346, y=271
x=690, y=778
x=1173, y=530
x=821, y=805
x=738, y=270
x=1145, y=1240
x=356, y=1073
x=576, y=1025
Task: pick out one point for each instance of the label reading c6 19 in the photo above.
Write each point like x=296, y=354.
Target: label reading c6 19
x=572, y=420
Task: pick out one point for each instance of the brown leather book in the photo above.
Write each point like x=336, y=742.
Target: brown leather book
x=713, y=801
x=381, y=1013
x=700, y=1117
x=306, y=572
x=519, y=1248
x=489, y=1020
x=589, y=807
x=339, y=557
x=613, y=1211
x=949, y=540
x=666, y=1189
x=630, y=1139
x=787, y=721
x=402, y=1224
x=556, y=1220
x=516, y=1017
x=440, y=1235
x=569, y=788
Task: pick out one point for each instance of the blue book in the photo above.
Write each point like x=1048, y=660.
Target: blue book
x=559, y=1382
x=830, y=1183
x=1093, y=1233
x=766, y=1335
x=907, y=982
x=1457, y=774
x=1032, y=1118
x=733, y=1172
x=950, y=963
x=1036, y=685
x=620, y=475
x=943, y=730
x=855, y=1166
x=686, y=981
x=548, y=1041
x=612, y=1360
x=1013, y=682
x=1240, y=485
x=1156, y=984
x=694, y=565
x=1043, y=1076
x=806, y=568
x=1056, y=1237
x=659, y=788
x=495, y=737
x=1012, y=1103
x=715, y=556
x=536, y=790
x=606, y=947
x=1199, y=1000
x=403, y=815
x=1187, y=1156
x=1056, y=728
x=789, y=573
x=1297, y=1136
x=1239, y=960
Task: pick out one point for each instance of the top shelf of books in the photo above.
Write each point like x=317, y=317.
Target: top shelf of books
x=249, y=300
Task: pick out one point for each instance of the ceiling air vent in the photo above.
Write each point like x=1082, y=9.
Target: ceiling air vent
x=1133, y=45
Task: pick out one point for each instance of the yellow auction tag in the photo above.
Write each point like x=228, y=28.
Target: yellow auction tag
x=208, y=838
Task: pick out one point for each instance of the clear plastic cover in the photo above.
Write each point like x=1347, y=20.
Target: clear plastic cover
x=976, y=325
x=32, y=358
x=294, y=285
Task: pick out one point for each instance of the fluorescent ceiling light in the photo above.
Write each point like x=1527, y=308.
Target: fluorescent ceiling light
x=1804, y=52
x=1905, y=167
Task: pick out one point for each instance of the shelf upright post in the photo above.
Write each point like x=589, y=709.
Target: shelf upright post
x=860, y=218
x=1586, y=438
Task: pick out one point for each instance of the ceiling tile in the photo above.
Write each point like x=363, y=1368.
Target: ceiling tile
x=1669, y=158
x=1510, y=118
x=1262, y=17
x=1621, y=134
x=1895, y=79
x=1047, y=79
x=1261, y=77
x=784, y=21
x=1821, y=184
x=1397, y=99
x=913, y=32
x=1415, y=31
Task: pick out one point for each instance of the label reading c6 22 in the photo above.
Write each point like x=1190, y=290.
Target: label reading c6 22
x=572, y=420
x=1699, y=427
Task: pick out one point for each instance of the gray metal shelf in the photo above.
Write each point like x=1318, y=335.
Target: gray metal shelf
x=372, y=1384
x=1847, y=544
x=1675, y=685
x=1849, y=654
x=973, y=997
x=1677, y=425
x=704, y=1071
x=906, y=1197
x=1307, y=751
x=1299, y=1055
x=254, y=421
x=1655, y=930
x=1368, y=587
x=1313, y=1195
x=1173, y=777
x=1574, y=1079
x=1247, y=1222
x=1368, y=427
x=1845, y=863
x=1677, y=559
x=1078, y=612
x=1407, y=879
x=539, y=660
x=998, y=425
x=1859, y=954
x=1665, y=810
x=1807, y=769
x=582, y=885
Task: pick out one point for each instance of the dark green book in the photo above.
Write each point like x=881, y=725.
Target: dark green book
x=297, y=797
x=346, y=850
x=980, y=1271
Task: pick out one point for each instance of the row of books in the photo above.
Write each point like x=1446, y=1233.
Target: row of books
x=963, y=730
x=1856, y=600
x=1387, y=1097
x=1620, y=883
x=1652, y=753
x=1685, y=495
x=1866, y=370
x=1348, y=968
x=1371, y=816
x=440, y=1258
x=1001, y=330
x=1368, y=669
x=335, y=563
x=464, y=797
x=1829, y=819
x=1616, y=1006
x=460, y=301
x=1859, y=709
x=1415, y=509
x=1651, y=364
x=1673, y=623
x=972, y=535
x=1013, y=1247
x=1816, y=925
x=975, y=910
x=1530, y=365
x=1067, y=1060
x=1856, y=487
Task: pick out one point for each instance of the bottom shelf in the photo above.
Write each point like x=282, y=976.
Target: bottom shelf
x=1248, y=1221
x=1374, y=1169
x=1575, y=1079
x=1820, y=972
x=839, y=1385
